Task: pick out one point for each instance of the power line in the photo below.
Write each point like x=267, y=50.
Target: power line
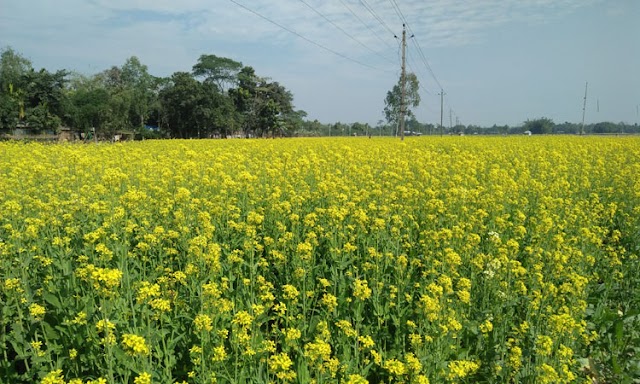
x=307, y=39
x=421, y=54
x=375, y=15
x=448, y=104
x=365, y=24
x=343, y=31
x=422, y=88
x=426, y=62
x=411, y=58
x=396, y=8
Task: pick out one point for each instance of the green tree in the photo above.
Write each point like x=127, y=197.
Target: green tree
x=119, y=101
x=88, y=102
x=273, y=104
x=140, y=85
x=132, y=93
x=359, y=129
x=314, y=128
x=392, y=102
x=214, y=112
x=13, y=69
x=45, y=99
x=567, y=127
x=89, y=108
x=293, y=122
x=221, y=71
x=193, y=109
x=244, y=95
x=265, y=108
x=179, y=101
x=539, y=126
x=40, y=118
x=605, y=127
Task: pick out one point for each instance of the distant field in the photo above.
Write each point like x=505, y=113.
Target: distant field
x=352, y=260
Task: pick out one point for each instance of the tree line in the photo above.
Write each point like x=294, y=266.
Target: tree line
x=218, y=97
x=414, y=127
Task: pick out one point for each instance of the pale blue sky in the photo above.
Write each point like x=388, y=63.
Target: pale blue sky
x=499, y=61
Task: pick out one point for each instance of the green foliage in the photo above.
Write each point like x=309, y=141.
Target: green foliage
x=90, y=109
x=539, y=126
x=9, y=111
x=194, y=109
x=178, y=101
x=39, y=118
x=614, y=308
x=35, y=98
x=221, y=71
x=266, y=108
x=140, y=83
x=126, y=98
x=393, y=101
x=13, y=67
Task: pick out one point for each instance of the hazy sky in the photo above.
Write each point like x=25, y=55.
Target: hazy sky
x=499, y=61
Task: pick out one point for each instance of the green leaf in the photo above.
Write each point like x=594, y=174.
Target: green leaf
x=619, y=332
x=18, y=348
x=53, y=300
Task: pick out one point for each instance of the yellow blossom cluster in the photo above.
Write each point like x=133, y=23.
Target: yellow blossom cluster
x=134, y=344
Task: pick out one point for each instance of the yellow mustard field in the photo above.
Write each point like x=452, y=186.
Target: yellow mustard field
x=351, y=260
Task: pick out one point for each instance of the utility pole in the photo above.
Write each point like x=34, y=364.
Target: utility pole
x=450, y=120
x=441, y=109
x=403, y=82
x=584, y=106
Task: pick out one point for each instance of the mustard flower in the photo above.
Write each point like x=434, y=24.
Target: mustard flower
x=143, y=378
x=134, y=345
x=203, y=322
x=395, y=367
x=37, y=311
x=356, y=379
x=459, y=369
x=53, y=377
x=219, y=354
x=329, y=301
x=361, y=289
x=281, y=365
x=290, y=292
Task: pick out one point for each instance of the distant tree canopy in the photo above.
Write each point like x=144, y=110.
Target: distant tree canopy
x=219, y=70
x=539, y=126
x=217, y=98
x=35, y=98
